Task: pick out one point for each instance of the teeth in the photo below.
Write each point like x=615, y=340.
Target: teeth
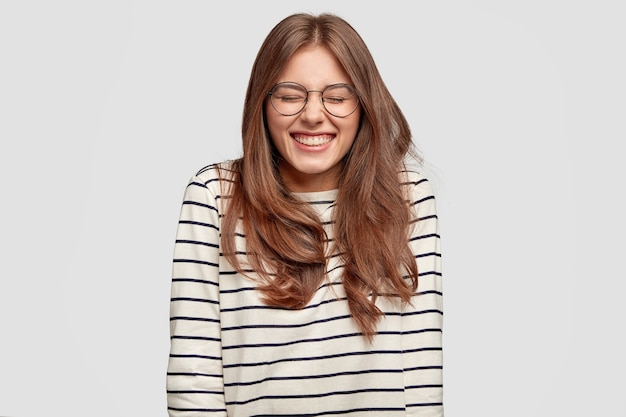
x=313, y=140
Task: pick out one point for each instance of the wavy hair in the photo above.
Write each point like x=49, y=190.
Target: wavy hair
x=285, y=240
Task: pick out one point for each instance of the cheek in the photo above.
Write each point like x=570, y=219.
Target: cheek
x=352, y=126
x=274, y=124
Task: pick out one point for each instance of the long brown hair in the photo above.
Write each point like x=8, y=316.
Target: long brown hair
x=285, y=242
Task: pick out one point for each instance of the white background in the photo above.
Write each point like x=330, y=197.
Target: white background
x=108, y=107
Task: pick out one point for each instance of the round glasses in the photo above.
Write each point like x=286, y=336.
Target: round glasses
x=289, y=99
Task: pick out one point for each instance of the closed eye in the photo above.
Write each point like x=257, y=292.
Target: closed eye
x=290, y=98
x=334, y=100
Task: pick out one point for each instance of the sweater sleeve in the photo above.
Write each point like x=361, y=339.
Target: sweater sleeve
x=423, y=319
x=195, y=384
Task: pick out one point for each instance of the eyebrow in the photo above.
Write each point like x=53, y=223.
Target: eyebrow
x=322, y=89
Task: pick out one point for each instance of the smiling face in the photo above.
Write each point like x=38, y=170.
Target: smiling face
x=313, y=142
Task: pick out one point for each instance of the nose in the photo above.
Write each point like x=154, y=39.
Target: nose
x=314, y=109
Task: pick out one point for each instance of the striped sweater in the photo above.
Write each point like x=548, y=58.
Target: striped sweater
x=231, y=355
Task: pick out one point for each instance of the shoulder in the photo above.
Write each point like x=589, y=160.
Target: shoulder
x=210, y=185
x=417, y=186
x=216, y=176
x=419, y=194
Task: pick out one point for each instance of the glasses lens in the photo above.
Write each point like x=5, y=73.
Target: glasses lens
x=288, y=99
x=340, y=100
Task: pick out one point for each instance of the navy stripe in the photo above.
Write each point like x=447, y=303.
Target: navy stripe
x=266, y=307
x=286, y=326
x=421, y=200
x=320, y=376
x=424, y=349
x=197, y=184
x=320, y=395
x=187, y=318
x=195, y=203
x=329, y=413
x=415, y=313
x=195, y=300
x=421, y=293
x=422, y=274
x=429, y=217
x=194, y=374
x=195, y=261
x=183, y=337
x=314, y=358
x=413, y=239
x=424, y=386
x=180, y=356
x=197, y=281
x=321, y=339
x=414, y=182
x=198, y=410
x=422, y=368
x=425, y=405
x=196, y=242
x=206, y=183
x=193, y=223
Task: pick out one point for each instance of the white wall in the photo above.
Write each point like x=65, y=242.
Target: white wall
x=108, y=107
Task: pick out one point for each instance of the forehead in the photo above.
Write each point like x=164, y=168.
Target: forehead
x=314, y=66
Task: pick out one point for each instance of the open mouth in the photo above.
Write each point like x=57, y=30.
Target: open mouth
x=319, y=140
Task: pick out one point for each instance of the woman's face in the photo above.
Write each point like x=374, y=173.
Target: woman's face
x=313, y=142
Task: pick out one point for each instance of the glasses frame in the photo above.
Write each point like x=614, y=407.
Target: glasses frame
x=306, y=98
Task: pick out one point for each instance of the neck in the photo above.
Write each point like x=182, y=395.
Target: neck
x=300, y=182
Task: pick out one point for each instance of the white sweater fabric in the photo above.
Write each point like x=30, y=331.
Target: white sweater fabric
x=232, y=355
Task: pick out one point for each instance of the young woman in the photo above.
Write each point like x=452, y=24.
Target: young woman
x=306, y=278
